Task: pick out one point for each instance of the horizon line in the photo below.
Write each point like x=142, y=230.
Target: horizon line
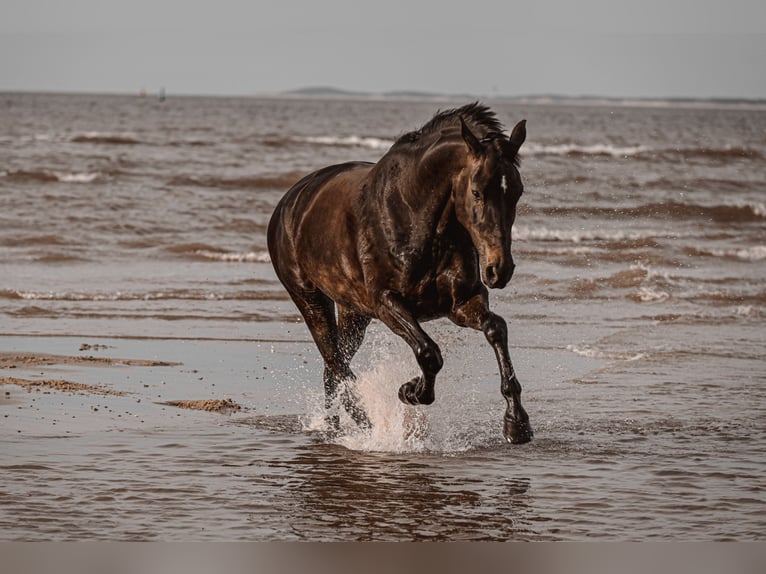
x=331, y=92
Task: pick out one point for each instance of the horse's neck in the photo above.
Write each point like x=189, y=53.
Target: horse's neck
x=435, y=174
x=415, y=196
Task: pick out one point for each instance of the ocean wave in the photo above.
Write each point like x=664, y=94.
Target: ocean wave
x=649, y=295
x=729, y=297
x=722, y=213
x=249, y=257
x=84, y=177
x=32, y=240
x=280, y=181
x=43, y=176
x=754, y=253
x=723, y=153
x=166, y=295
x=572, y=149
x=350, y=141
x=592, y=353
x=524, y=233
x=638, y=275
x=105, y=138
x=641, y=151
x=204, y=252
x=748, y=311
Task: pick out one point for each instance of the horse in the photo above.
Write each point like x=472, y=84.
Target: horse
x=421, y=234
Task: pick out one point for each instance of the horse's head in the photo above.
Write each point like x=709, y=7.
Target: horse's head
x=485, y=195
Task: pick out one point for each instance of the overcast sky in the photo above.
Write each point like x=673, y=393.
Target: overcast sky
x=641, y=48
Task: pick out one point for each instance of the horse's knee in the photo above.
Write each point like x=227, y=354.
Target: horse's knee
x=429, y=358
x=495, y=329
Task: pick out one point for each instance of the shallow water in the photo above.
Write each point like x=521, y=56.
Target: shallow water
x=635, y=324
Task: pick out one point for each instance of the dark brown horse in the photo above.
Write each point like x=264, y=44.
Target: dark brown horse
x=419, y=235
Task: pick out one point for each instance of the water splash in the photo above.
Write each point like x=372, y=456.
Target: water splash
x=462, y=418
x=394, y=426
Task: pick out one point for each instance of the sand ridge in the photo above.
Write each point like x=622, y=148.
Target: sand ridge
x=24, y=360
x=211, y=405
x=59, y=385
x=30, y=360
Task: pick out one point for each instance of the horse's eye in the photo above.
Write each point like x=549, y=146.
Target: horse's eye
x=476, y=194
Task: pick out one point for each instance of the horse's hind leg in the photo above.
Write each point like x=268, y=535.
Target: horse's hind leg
x=351, y=329
x=318, y=310
x=476, y=314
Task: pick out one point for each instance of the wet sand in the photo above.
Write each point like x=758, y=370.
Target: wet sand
x=40, y=390
x=118, y=457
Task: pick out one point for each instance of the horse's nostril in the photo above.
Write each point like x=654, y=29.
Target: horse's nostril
x=491, y=274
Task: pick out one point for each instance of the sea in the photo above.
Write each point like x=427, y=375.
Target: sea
x=636, y=327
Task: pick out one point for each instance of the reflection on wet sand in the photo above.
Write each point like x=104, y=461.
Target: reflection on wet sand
x=346, y=495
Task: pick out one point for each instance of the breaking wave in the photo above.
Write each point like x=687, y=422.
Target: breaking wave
x=571, y=149
x=754, y=253
x=641, y=151
x=351, y=141
x=721, y=213
x=204, y=252
x=593, y=353
x=165, y=295
x=249, y=257
x=43, y=176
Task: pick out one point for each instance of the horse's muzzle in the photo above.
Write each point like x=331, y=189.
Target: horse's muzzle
x=497, y=276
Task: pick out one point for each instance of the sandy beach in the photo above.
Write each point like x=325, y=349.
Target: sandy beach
x=82, y=392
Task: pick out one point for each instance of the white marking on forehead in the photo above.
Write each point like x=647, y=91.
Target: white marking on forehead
x=504, y=184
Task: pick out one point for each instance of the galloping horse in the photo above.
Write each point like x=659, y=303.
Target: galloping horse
x=418, y=235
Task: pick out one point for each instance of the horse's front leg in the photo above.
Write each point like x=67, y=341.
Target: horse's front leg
x=397, y=317
x=475, y=313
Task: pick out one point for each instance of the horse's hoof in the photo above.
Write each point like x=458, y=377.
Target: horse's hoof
x=414, y=393
x=517, y=432
x=407, y=394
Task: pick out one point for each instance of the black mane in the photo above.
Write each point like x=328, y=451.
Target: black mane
x=479, y=117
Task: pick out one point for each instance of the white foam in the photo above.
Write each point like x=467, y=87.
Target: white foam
x=755, y=253
x=84, y=177
x=651, y=295
x=351, y=141
x=591, y=353
x=249, y=257
x=524, y=233
x=651, y=274
x=747, y=311
x=594, y=149
x=116, y=296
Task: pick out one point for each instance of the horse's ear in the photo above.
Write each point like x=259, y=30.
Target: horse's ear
x=473, y=144
x=518, y=135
